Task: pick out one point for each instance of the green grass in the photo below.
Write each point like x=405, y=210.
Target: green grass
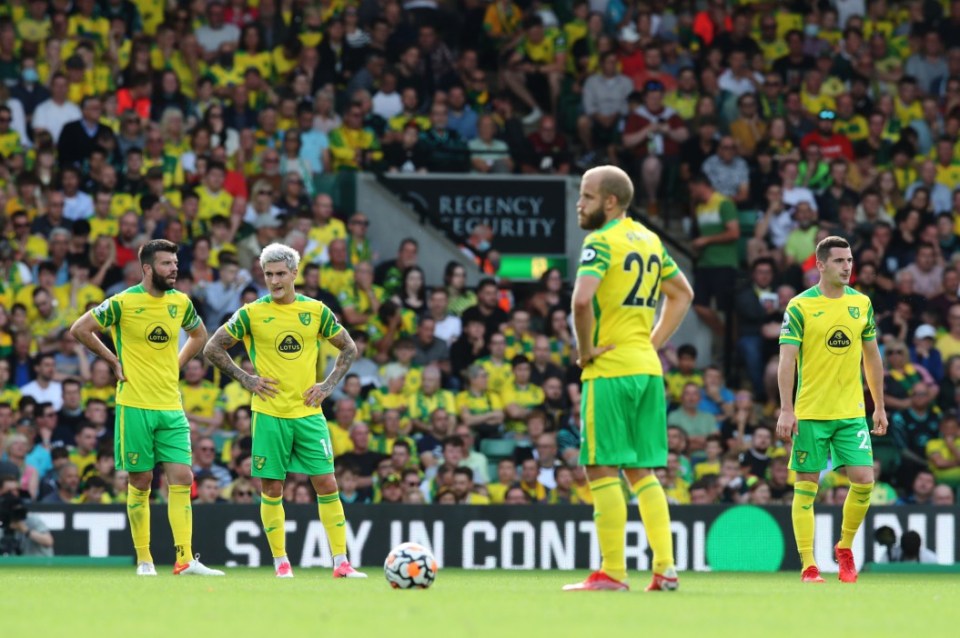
x=108, y=602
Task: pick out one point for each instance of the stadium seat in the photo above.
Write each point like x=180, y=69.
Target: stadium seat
x=497, y=448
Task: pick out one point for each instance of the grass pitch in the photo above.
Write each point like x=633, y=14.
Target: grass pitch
x=108, y=602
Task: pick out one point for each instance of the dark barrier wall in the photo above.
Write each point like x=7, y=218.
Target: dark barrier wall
x=527, y=215
x=743, y=538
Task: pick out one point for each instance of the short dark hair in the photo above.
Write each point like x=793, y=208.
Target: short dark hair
x=453, y=439
x=464, y=471
x=519, y=360
x=150, y=249
x=823, y=248
x=401, y=443
x=687, y=350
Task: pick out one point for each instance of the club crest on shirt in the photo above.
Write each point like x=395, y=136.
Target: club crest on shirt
x=305, y=318
x=259, y=462
x=172, y=310
x=133, y=458
x=801, y=457
x=854, y=311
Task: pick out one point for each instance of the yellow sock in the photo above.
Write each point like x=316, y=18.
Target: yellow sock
x=138, y=511
x=272, y=515
x=855, y=508
x=331, y=515
x=610, y=517
x=180, y=513
x=656, y=521
x=804, y=494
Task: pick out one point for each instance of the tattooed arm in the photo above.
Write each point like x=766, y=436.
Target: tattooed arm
x=348, y=354
x=216, y=353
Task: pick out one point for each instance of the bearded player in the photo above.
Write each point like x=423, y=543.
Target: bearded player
x=624, y=270
x=151, y=427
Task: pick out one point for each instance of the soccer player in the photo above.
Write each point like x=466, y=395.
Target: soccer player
x=623, y=271
x=151, y=426
x=831, y=328
x=282, y=333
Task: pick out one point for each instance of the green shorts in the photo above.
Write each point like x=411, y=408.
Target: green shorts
x=147, y=437
x=846, y=441
x=624, y=422
x=291, y=445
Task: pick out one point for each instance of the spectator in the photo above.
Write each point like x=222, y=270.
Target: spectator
x=652, y=132
x=696, y=424
x=604, y=106
x=717, y=245
x=548, y=151
x=68, y=484
x=487, y=154
x=204, y=461
x=43, y=388
x=728, y=173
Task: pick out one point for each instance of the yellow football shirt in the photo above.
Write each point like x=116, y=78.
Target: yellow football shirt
x=421, y=406
x=517, y=344
x=528, y=397
x=146, y=334
x=324, y=235
x=203, y=399
x=500, y=375
x=235, y=396
x=336, y=281
x=630, y=261
x=87, y=294
x=830, y=334
x=284, y=342
x=213, y=204
x=478, y=404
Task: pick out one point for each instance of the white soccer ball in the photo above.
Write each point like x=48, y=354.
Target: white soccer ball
x=410, y=566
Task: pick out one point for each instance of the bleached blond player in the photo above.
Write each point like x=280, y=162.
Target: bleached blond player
x=282, y=333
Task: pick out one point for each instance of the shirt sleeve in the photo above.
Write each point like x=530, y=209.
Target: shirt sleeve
x=669, y=268
x=791, y=331
x=870, y=329
x=329, y=326
x=594, y=258
x=190, y=318
x=108, y=313
x=728, y=211
x=238, y=325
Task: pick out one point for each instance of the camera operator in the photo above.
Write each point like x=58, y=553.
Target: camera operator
x=22, y=533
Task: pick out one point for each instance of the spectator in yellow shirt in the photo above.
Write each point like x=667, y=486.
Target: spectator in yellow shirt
x=214, y=199
x=353, y=147
x=463, y=488
x=520, y=397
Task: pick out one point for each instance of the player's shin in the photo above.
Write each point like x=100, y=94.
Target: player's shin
x=655, y=514
x=854, y=511
x=804, y=494
x=610, y=517
x=331, y=515
x=180, y=513
x=138, y=511
x=273, y=518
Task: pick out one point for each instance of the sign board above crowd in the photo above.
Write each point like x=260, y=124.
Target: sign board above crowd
x=526, y=215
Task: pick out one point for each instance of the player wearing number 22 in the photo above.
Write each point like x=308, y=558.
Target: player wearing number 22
x=827, y=331
x=624, y=269
x=282, y=333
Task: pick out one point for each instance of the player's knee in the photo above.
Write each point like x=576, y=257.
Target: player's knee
x=141, y=480
x=325, y=483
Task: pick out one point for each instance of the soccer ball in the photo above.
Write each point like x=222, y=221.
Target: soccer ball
x=410, y=566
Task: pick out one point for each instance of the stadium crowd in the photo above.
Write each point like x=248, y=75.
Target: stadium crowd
x=220, y=125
